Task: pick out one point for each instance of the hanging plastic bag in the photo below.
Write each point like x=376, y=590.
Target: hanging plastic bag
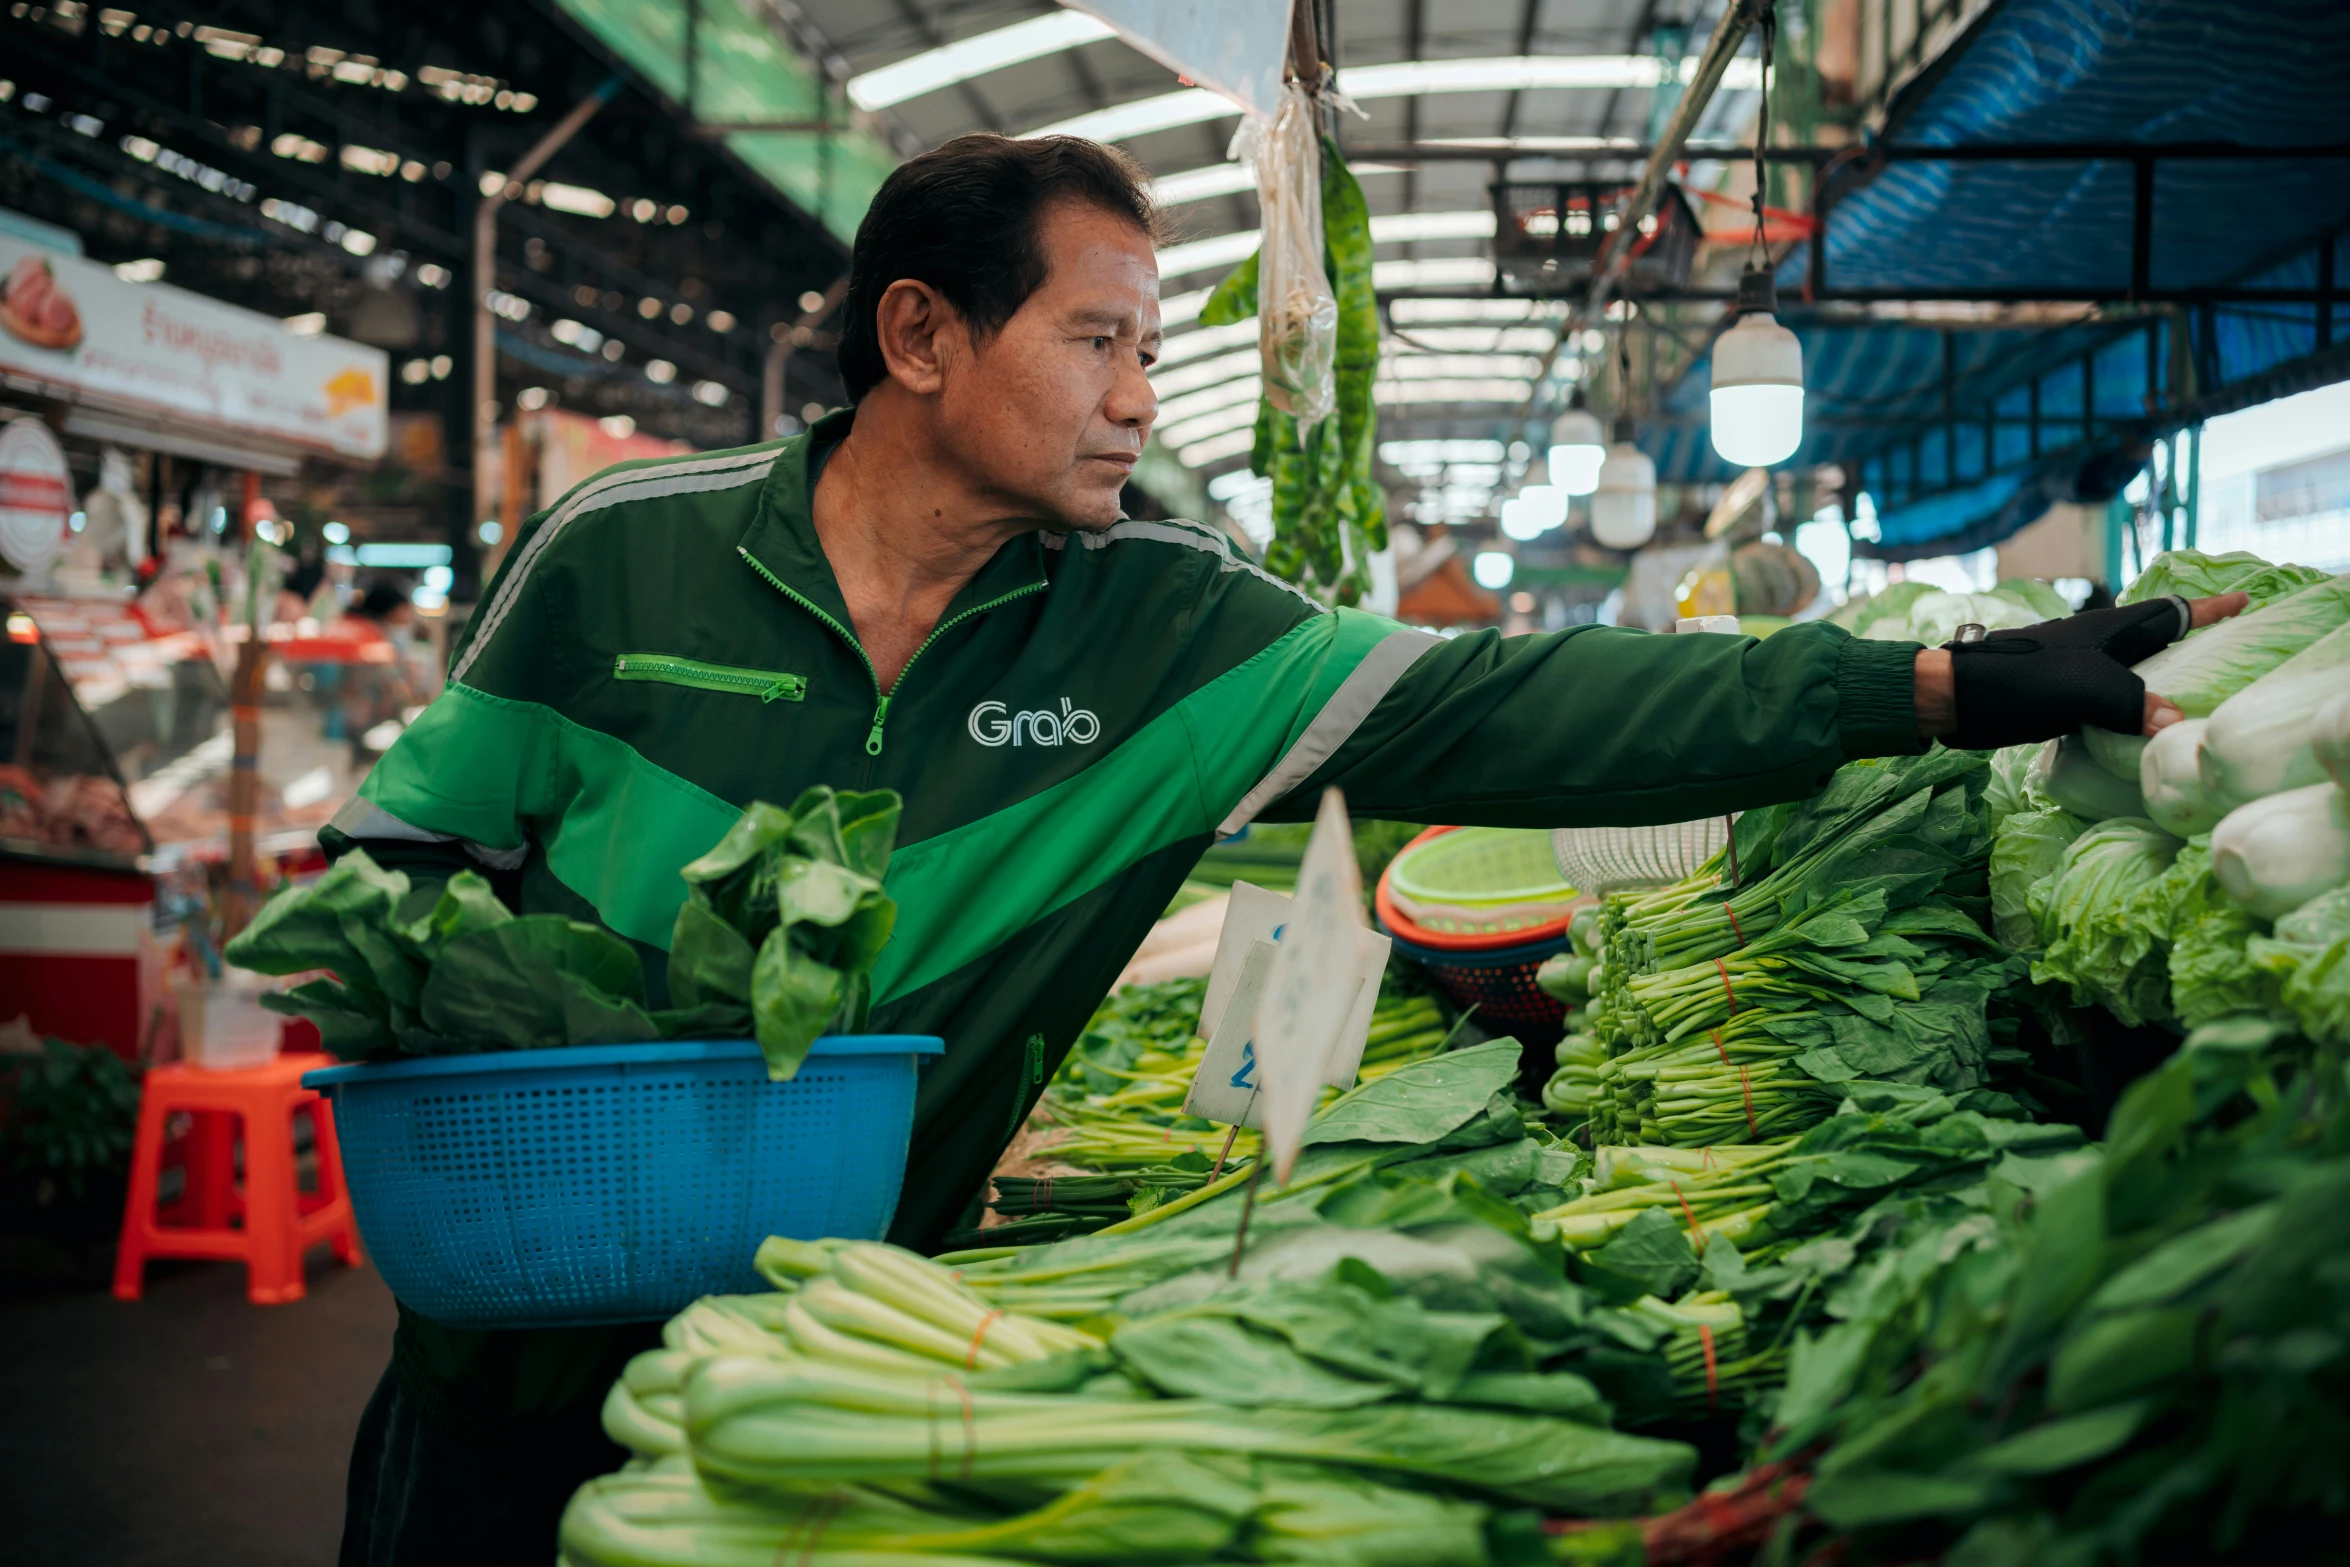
x=1297, y=311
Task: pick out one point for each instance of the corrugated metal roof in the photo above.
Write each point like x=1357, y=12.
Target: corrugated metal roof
x=1943, y=419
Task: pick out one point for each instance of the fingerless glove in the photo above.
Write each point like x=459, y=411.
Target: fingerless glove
x=2053, y=678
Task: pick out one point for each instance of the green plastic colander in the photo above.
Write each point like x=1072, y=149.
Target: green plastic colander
x=1480, y=881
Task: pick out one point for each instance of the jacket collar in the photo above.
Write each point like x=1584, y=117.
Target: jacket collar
x=782, y=537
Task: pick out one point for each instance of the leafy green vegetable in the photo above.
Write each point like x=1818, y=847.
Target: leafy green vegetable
x=784, y=918
x=69, y=1116
x=2212, y=971
x=2069, y=774
x=2195, y=574
x=530, y=983
x=1920, y=612
x=2028, y=849
x=1853, y=950
x=2308, y=958
x=2011, y=788
x=2035, y=595
x=782, y=921
x=2096, y=931
x=2258, y=742
x=2131, y=1354
x=2276, y=854
x=2206, y=669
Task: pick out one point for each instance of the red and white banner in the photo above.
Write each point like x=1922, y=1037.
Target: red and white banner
x=72, y=324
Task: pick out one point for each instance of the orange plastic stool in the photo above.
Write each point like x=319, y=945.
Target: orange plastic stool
x=268, y=1223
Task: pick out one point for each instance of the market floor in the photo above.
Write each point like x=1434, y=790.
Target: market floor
x=188, y=1428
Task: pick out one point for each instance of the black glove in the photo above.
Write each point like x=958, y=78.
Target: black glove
x=2059, y=676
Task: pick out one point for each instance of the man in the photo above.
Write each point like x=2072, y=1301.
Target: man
x=1073, y=706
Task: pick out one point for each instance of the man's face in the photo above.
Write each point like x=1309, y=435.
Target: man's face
x=1050, y=413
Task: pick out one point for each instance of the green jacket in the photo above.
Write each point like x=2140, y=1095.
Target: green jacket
x=668, y=642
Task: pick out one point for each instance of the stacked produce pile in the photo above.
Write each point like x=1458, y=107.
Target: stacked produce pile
x=1380, y=1385
x=1807, y=1233
x=1436, y=1334
x=2134, y=1353
x=1572, y=976
x=1110, y=1139
x=2201, y=873
x=1850, y=948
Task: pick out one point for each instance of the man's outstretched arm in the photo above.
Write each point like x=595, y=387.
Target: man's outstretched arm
x=1600, y=726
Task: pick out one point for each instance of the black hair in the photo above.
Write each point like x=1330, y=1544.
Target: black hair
x=963, y=219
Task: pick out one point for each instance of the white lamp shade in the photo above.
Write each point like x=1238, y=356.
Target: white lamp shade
x=1520, y=520
x=1546, y=504
x=1623, y=509
x=1577, y=447
x=1493, y=569
x=1575, y=469
x=1756, y=426
x=1757, y=392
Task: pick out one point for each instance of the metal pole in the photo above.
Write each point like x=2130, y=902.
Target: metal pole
x=244, y=778
x=2193, y=482
x=780, y=349
x=485, y=281
x=1729, y=33
x=1720, y=49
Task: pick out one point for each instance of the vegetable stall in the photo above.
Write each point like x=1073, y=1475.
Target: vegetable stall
x=1816, y=1247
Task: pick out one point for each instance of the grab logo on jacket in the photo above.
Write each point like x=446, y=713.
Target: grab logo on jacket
x=994, y=724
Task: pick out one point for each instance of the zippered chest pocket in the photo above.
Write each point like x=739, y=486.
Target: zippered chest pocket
x=768, y=685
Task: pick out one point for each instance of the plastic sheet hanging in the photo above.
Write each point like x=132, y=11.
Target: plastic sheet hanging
x=1297, y=310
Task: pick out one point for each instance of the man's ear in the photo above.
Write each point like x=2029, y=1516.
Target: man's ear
x=920, y=335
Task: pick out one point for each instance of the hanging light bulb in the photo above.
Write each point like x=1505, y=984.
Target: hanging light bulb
x=1493, y=569
x=1623, y=508
x=1757, y=381
x=1546, y=504
x=1758, y=364
x=1577, y=447
x=1519, y=520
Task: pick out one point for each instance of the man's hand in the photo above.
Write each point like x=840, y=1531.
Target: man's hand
x=2051, y=679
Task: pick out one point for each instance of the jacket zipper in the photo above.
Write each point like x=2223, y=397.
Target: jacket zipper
x=881, y=698
x=766, y=684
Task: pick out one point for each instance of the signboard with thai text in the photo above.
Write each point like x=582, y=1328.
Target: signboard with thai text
x=74, y=326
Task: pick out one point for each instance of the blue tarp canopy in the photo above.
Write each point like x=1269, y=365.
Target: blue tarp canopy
x=2123, y=155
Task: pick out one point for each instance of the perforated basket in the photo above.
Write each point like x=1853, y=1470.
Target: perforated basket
x=1498, y=982
x=614, y=1183
x=1602, y=860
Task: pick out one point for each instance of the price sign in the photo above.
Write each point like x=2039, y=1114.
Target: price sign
x=1257, y=917
x=1311, y=985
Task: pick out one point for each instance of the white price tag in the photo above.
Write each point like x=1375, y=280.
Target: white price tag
x=1225, y=1086
x=1251, y=915
x=1255, y=917
x=1311, y=985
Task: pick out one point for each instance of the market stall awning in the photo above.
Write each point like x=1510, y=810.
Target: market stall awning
x=2177, y=167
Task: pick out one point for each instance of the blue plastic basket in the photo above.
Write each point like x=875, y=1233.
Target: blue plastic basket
x=614, y=1183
